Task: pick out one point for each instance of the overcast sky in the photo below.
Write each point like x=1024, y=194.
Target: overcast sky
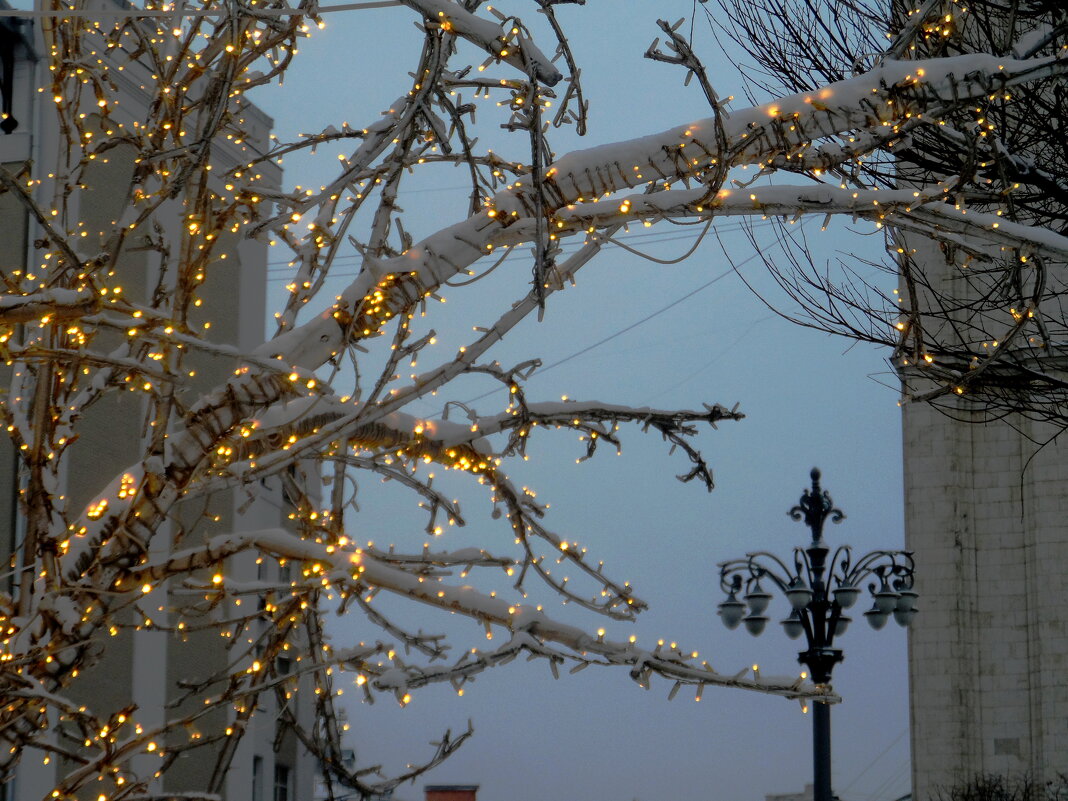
x=810, y=400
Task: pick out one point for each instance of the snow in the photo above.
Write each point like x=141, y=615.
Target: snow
x=531, y=629
x=754, y=134
x=487, y=35
x=56, y=303
x=577, y=185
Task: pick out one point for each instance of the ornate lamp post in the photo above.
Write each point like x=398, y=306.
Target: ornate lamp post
x=819, y=593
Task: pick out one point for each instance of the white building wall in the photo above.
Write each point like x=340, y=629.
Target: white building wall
x=150, y=661
x=986, y=512
x=987, y=515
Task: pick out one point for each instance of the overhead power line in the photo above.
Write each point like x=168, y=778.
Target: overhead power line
x=648, y=238
x=624, y=330
x=620, y=332
x=127, y=13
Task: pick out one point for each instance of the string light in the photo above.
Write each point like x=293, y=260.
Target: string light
x=205, y=176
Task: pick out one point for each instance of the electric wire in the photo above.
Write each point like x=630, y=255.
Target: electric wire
x=126, y=13
x=873, y=762
x=895, y=775
x=620, y=332
x=649, y=238
x=541, y=370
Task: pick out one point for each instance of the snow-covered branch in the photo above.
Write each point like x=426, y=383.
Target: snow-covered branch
x=157, y=447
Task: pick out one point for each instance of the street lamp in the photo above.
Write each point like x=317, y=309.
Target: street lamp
x=818, y=592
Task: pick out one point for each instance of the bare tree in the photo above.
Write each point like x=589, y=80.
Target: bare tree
x=329, y=397
x=998, y=787
x=985, y=332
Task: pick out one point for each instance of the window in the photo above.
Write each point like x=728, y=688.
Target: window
x=281, y=782
x=257, y=779
x=291, y=486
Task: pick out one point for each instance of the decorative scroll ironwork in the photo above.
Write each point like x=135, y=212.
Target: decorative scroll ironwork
x=819, y=590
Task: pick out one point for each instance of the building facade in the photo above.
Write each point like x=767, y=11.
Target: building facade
x=986, y=513
x=146, y=668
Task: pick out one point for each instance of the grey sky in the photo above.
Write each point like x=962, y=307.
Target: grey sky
x=596, y=736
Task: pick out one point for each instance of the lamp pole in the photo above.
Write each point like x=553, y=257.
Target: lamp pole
x=818, y=591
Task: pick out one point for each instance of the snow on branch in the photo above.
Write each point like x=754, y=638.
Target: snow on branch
x=977, y=317
x=935, y=210
x=892, y=93
x=55, y=304
x=504, y=42
x=153, y=440
x=356, y=570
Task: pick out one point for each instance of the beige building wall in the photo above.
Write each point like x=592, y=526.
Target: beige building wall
x=145, y=668
x=986, y=512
